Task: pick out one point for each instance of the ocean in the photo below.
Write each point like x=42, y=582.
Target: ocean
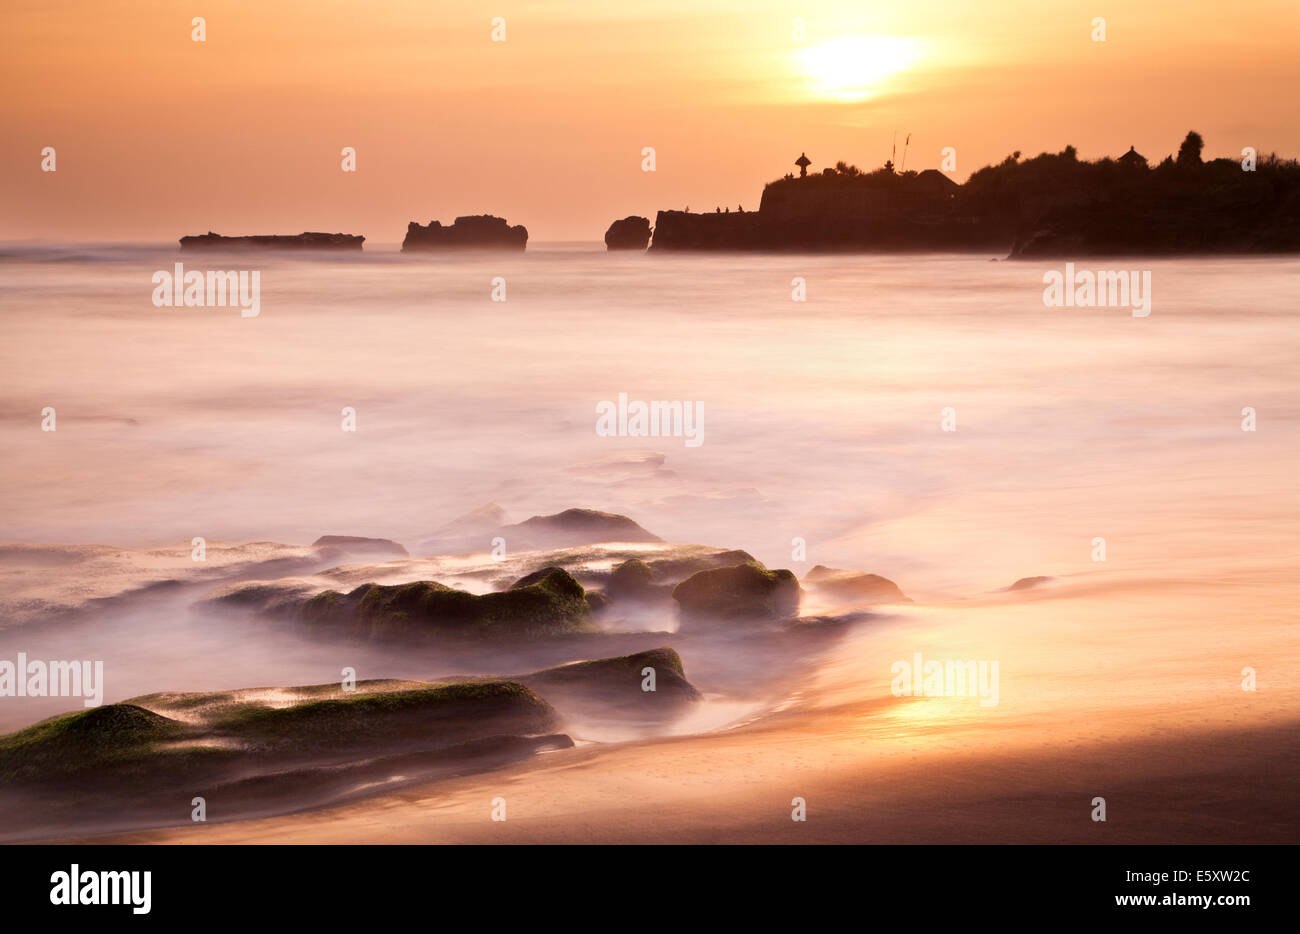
x=924, y=417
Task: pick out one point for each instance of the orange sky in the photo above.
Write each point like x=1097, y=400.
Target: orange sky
x=158, y=136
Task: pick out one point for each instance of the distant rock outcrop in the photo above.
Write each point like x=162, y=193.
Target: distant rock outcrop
x=478, y=531
x=486, y=518
x=356, y=545
x=475, y=231
x=1029, y=583
x=302, y=241
x=854, y=586
x=575, y=527
x=631, y=233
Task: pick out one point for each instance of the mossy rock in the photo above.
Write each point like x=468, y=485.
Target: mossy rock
x=547, y=602
x=631, y=577
x=555, y=579
x=662, y=659
x=745, y=591
x=251, y=594
x=230, y=734
x=442, y=714
x=271, y=598
x=619, y=679
x=678, y=569
x=114, y=735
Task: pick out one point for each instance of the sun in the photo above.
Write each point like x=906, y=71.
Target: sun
x=855, y=68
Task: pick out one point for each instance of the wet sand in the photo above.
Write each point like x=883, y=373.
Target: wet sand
x=1222, y=787
x=1112, y=706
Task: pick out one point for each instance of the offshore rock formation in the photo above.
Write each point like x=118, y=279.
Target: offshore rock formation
x=854, y=586
x=1053, y=205
x=357, y=545
x=575, y=527
x=477, y=231
x=1029, y=583
x=631, y=233
x=302, y=241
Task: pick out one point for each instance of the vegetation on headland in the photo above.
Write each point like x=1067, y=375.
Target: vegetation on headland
x=1053, y=203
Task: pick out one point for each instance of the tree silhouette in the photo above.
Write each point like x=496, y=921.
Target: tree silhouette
x=1190, y=152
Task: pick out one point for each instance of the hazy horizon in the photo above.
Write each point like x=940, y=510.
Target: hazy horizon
x=158, y=136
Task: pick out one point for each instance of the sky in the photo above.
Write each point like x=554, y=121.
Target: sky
x=157, y=135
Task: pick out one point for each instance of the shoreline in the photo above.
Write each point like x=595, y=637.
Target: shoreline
x=1179, y=761
x=1185, y=789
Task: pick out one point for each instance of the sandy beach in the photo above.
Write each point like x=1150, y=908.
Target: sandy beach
x=1180, y=753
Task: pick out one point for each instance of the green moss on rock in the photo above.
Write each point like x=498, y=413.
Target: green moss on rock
x=546, y=602
x=112, y=735
x=661, y=659
x=229, y=734
x=382, y=716
x=678, y=569
x=618, y=680
x=746, y=590
x=630, y=578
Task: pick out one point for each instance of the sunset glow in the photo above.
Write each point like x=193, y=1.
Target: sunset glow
x=854, y=68
x=237, y=134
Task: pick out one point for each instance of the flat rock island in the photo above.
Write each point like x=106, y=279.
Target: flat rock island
x=302, y=241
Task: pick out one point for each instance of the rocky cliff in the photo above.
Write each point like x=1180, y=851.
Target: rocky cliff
x=832, y=212
x=1051, y=205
